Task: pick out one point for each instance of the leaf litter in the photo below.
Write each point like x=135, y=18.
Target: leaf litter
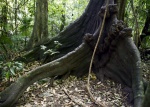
x=72, y=92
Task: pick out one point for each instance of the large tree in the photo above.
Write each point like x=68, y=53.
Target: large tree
x=40, y=29
x=116, y=57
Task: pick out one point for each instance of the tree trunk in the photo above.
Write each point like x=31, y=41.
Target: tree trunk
x=4, y=20
x=68, y=63
x=4, y=36
x=40, y=29
x=121, y=6
x=72, y=36
x=136, y=33
x=117, y=58
x=16, y=10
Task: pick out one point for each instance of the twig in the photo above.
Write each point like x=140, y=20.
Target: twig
x=90, y=68
x=75, y=101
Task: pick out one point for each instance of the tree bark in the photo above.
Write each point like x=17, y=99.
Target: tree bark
x=4, y=20
x=71, y=37
x=40, y=29
x=137, y=33
x=68, y=63
x=121, y=6
x=117, y=56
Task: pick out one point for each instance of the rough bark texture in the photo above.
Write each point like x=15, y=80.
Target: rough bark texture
x=72, y=36
x=68, y=63
x=117, y=56
x=40, y=29
x=121, y=6
x=3, y=21
x=137, y=32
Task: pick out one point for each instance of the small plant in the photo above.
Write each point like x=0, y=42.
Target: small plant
x=10, y=69
x=57, y=44
x=52, y=51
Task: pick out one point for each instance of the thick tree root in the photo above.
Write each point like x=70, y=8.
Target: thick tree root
x=117, y=56
x=57, y=67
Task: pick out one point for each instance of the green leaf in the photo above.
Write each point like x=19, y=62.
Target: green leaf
x=7, y=75
x=43, y=47
x=5, y=40
x=12, y=71
x=9, y=64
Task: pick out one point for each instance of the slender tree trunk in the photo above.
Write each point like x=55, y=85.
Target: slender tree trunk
x=40, y=29
x=4, y=30
x=4, y=20
x=136, y=33
x=121, y=6
x=16, y=9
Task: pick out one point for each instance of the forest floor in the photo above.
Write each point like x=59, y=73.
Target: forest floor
x=72, y=92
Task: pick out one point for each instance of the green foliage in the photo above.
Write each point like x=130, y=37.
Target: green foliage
x=26, y=24
x=10, y=69
x=63, y=12
x=140, y=9
x=4, y=42
x=5, y=39
x=19, y=21
x=146, y=42
x=57, y=44
x=52, y=51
